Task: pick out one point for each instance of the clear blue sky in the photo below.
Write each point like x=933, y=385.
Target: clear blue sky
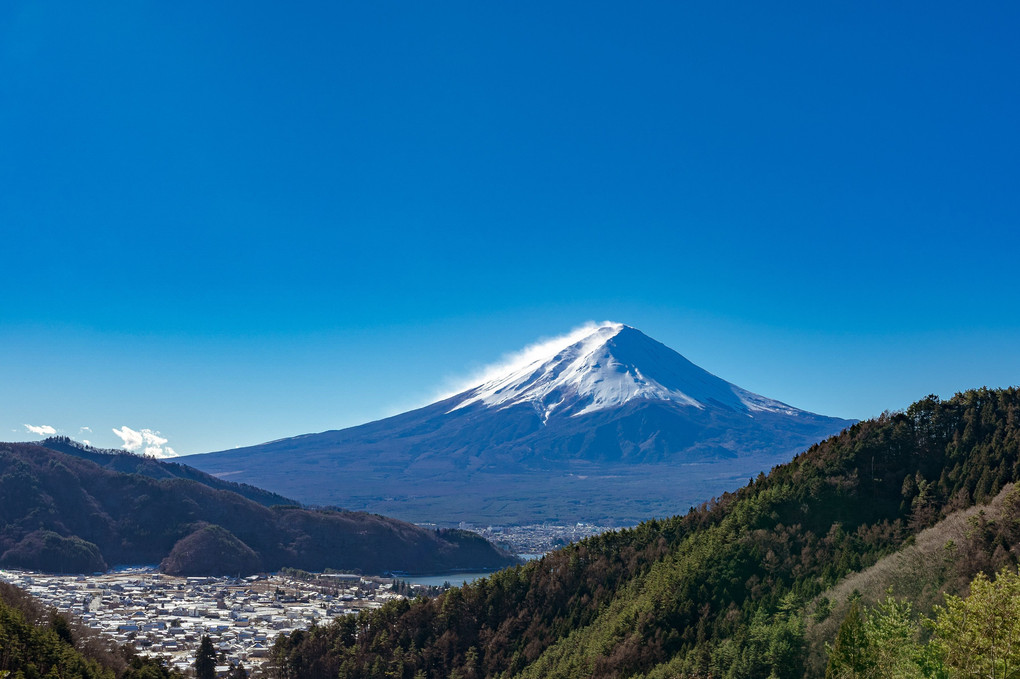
x=233, y=222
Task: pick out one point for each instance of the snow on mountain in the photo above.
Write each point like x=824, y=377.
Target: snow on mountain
x=608, y=367
x=603, y=424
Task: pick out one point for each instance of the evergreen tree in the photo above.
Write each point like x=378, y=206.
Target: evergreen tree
x=892, y=637
x=851, y=655
x=60, y=625
x=205, y=660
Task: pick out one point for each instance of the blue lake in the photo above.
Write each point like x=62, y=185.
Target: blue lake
x=457, y=579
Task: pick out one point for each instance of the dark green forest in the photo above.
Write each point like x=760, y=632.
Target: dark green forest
x=723, y=591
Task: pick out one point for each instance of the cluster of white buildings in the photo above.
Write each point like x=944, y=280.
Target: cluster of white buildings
x=535, y=539
x=164, y=615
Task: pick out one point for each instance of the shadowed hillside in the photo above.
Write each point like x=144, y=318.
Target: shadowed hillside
x=63, y=513
x=130, y=463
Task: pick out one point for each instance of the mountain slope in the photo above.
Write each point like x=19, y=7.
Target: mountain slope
x=130, y=463
x=717, y=592
x=63, y=513
x=609, y=426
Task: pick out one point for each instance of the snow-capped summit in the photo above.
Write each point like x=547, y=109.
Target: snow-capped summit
x=602, y=424
x=608, y=367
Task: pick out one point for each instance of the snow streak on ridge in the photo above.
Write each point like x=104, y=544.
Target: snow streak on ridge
x=539, y=352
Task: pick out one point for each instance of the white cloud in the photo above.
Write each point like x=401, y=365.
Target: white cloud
x=85, y=429
x=41, y=430
x=150, y=442
x=86, y=442
x=132, y=439
x=539, y=351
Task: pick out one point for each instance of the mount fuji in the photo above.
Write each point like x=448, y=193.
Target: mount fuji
x=607, y=426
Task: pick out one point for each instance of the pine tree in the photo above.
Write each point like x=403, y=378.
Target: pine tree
x=851, y=655
x=205, y=660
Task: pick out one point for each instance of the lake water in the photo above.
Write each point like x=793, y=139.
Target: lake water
x=457, y=579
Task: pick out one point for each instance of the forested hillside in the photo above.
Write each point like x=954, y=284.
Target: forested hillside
x=720, y=592
x=130, y=463
x=61, y=513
